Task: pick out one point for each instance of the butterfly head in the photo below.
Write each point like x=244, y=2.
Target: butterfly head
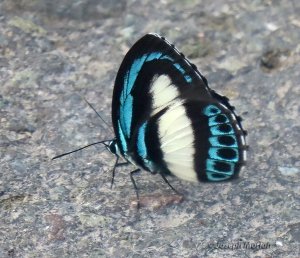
x=113, y=147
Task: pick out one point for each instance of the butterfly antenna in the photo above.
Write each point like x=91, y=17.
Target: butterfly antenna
x=67, y=153
x=109, y=127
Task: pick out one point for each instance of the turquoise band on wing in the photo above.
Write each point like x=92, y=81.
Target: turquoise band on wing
x=126, y=99
x=141, y=145
x=223, y=151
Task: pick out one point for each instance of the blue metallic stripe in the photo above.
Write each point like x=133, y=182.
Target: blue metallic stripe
x=141, y=144
x=126, y=99
x=142, y=148
x=136, y=67
x=188, y=78
x=123, y=93
x=126, y=115
x=168, y=58
x=130, y=77
x=178, y=66
x=154, y=55
x=122, y=138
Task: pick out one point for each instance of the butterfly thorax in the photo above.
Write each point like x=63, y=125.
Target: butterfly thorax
x=113, y=147
x=129, y=156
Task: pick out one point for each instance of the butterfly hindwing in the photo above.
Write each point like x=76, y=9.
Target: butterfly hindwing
x=167, y=120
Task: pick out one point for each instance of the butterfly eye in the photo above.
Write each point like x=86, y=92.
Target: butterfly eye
x=112, y=147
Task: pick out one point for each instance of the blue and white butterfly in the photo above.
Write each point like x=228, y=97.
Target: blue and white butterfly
x=168, y=121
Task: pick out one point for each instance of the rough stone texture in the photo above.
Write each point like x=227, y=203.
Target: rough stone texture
x=54, y=53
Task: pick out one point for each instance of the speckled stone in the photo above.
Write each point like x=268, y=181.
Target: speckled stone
x=53, y=54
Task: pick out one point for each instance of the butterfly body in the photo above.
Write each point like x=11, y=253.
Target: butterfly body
x=167, y=120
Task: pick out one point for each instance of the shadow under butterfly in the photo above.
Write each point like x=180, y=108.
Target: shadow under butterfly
x=168, y=121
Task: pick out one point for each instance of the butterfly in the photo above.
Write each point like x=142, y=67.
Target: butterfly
x=167, y=120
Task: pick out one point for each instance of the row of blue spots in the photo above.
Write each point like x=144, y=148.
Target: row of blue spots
x=130, y=77
x=223, y=152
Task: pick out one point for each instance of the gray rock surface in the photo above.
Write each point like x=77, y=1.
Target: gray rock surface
x=54, y=53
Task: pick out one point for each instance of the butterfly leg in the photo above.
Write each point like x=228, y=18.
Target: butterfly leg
x=135, y=187
x=114, y=169
x=168, y=183
x=113, y=172
x=123, y=164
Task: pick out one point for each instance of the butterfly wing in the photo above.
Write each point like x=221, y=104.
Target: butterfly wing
x=163, y=116
x=198, y=141
x=131, y=102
